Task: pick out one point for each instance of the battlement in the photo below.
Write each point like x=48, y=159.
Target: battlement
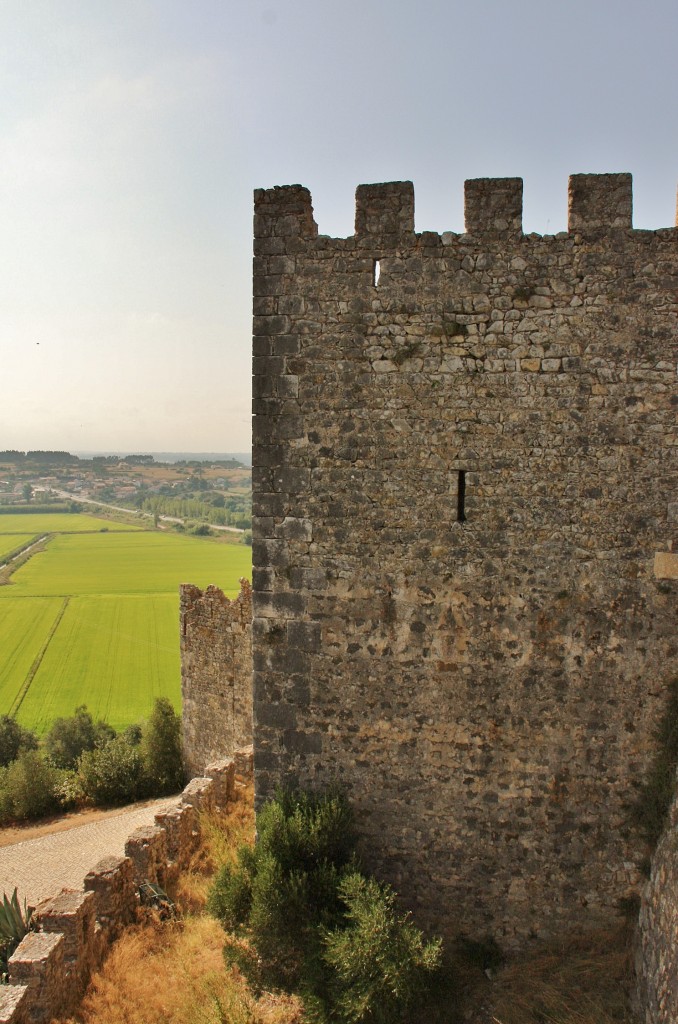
x=493, y=208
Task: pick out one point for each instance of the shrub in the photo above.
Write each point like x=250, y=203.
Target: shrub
x=381, y=966
x=656, y=793
x=161, y=749
x=28, y=788
x=13, y=739
x=280, y=893
x=112, y=774
x=305, y=918
x=70, y=737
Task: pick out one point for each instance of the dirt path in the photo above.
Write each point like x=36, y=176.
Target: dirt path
x=40, y=860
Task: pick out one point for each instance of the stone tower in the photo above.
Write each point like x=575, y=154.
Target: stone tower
x=465, y=514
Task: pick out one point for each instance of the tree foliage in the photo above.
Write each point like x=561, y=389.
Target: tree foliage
x=14, y=739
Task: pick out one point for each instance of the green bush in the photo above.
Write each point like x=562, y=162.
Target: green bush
x=281, y=893
x=304, y=918
x=112, y=774
x=161, y=749
x=70, y=737
x=651, y=808
x=381, y=966
x=28, y=788
x=13, y=739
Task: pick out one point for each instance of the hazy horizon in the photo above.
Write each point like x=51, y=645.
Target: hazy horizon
x=134, y=132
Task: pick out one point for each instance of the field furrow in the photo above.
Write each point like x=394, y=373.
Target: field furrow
x=24, y=625
x=114, y=654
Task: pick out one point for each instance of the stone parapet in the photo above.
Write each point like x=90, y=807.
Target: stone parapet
x=50, y=968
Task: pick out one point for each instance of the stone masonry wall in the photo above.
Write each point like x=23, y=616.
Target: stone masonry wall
x=656, y=946
x=50, y=968
x=216, y=673
x=465, y=539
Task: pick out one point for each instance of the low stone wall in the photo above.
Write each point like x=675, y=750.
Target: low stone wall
x=50, y=969
x=656, y=946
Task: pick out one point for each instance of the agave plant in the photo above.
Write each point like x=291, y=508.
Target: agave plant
x=15, y=922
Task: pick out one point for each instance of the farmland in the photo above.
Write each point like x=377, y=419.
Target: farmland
x=93, y=618
x=12, y=542
x=56, y=523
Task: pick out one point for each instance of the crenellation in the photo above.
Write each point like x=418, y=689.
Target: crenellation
x=599, y=202
x=384, y=211
x=494, y=207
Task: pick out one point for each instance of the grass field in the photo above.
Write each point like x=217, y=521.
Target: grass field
x=24, y=626
x=58, y=523
x=94, y=619
x=116, y=654
x=12, y=542
x=129, y=563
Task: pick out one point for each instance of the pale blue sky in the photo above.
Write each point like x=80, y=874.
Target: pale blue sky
x=132, y=133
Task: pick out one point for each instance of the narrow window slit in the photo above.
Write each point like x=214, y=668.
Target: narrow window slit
x=376, y=272
x=461, y=496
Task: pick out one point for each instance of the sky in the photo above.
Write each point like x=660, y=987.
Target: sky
x=132, y=133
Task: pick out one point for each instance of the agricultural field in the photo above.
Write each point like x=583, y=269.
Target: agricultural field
x=11, y=542
x=58, y=523
x=94, y=619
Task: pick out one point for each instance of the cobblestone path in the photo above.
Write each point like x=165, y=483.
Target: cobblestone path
x=42, y=867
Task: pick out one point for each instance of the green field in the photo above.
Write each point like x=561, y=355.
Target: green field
x=12, y=542
x=58, y=523
x=94, y=619
x=128, y=563
x=24, y=627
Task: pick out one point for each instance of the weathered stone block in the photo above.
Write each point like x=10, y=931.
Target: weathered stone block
x=38, y=964
x=112, y=882
x=147, y=849
x=182, y=833
x=600, y=201
x=493, y=206
x=14, y=1008
x=200, y=794
x=222, y=774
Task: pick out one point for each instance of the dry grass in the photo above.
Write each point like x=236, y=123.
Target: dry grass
x=174, y=972
x=583, y=981
x=221, y=835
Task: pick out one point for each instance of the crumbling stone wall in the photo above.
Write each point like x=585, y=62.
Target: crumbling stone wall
x=216, y=673
x=656, y=946
x=465, y=516
x=50, y=968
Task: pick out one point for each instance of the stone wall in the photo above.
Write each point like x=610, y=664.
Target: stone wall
x=216, y=673
x=464, y=541
x=50, y=969
x=656, y=946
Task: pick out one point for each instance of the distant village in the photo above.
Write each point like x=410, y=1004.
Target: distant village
x=216, y=492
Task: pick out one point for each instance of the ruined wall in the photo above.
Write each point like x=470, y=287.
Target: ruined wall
x=51, y=967
x=656, y=947
x=216, y=673
x=465, y=511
